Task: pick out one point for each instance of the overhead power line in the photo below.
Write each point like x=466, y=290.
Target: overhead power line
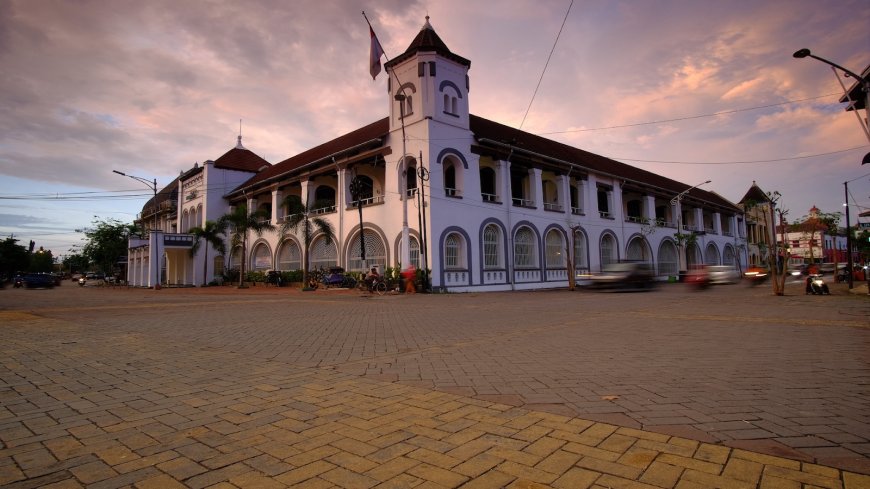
x=546, y=65
x=772, y=160
x=688, y=118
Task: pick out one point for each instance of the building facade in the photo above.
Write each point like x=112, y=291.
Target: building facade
x=484, y=206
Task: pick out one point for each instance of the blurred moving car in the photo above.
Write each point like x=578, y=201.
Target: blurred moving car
x=722, y=274
x=38, y=281
x=621, y=276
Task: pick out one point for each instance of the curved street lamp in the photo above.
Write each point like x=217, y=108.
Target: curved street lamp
x=676, y=200
x=865, y=85
x=151, y=184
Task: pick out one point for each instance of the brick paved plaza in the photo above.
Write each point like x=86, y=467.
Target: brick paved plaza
x=266, y=387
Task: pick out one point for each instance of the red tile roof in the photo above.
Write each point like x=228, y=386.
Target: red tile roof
x=527, y=142
x=486, y=132
x=242, y=160
x=377, y=130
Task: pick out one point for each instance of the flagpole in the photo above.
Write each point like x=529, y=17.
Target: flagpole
x=406, y=245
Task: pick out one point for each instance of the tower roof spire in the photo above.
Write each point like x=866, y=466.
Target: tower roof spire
x=427, y=41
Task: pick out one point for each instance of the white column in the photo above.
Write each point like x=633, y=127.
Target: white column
x=564, y=195
x=277, y=197
x=536, y=191
x=617, y=212
x=650, y=207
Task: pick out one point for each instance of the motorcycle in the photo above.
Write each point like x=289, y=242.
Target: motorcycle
x=19, y=282
x=816, y=285
x=755, y=276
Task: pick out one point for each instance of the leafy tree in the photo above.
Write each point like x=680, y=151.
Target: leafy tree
x=816, y=225
x=13, y=257
x=303, y=218
x=106, y=242
x=75, y=263
x=212, y=234
x=239, y=223
x=41, y=261
x=862, y=242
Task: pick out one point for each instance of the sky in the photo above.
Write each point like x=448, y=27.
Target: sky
x=694, y=90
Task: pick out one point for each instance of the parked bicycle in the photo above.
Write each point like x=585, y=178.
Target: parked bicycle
x=378, y=286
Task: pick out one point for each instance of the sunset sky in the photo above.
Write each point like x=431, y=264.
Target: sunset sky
x=694, y=90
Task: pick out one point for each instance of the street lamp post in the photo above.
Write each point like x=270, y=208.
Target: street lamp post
x=865, y=84
x=151, y=184
x=676, y=200
x=849, y=239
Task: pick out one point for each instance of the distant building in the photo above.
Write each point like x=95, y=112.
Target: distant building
x=760, y=225
x=485, y=206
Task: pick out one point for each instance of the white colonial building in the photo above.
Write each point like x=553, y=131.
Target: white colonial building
x=485, y=206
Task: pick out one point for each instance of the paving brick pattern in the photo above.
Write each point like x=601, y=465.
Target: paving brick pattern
x=275, y=388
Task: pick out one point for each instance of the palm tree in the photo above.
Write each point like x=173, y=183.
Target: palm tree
x=304, y=218
x=239, y=223
x=213, y=235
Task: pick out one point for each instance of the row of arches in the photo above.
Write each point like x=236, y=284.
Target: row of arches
x=530, y=249
x=191, y=217
x=324, y=253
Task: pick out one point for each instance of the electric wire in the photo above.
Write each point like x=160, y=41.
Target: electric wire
x=553, y=49
x=690, y=117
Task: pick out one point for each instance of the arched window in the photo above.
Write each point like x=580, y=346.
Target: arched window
x=450, y=189
x=668, y=261
x=289, y=257
x=487, y=185
x=236, y=258
x=492, y=255
x=324, y=197
x=637, y=250
x=728, y=256
x=322, y=254
x=693, y=255
x=261, y=258
x=711, y=255
x=411, y=180
x=608, y=250
x=581, y=256
x=453, y=256
x=218, y=266
x=414, y=248
x=524, y=249
x=555, y=247
x=376, y=252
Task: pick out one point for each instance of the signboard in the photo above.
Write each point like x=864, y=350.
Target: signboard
x=864, y=225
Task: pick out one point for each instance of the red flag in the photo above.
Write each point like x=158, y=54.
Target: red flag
x=375, y=55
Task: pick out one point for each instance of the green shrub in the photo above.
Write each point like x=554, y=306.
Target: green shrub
x=255, y=277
